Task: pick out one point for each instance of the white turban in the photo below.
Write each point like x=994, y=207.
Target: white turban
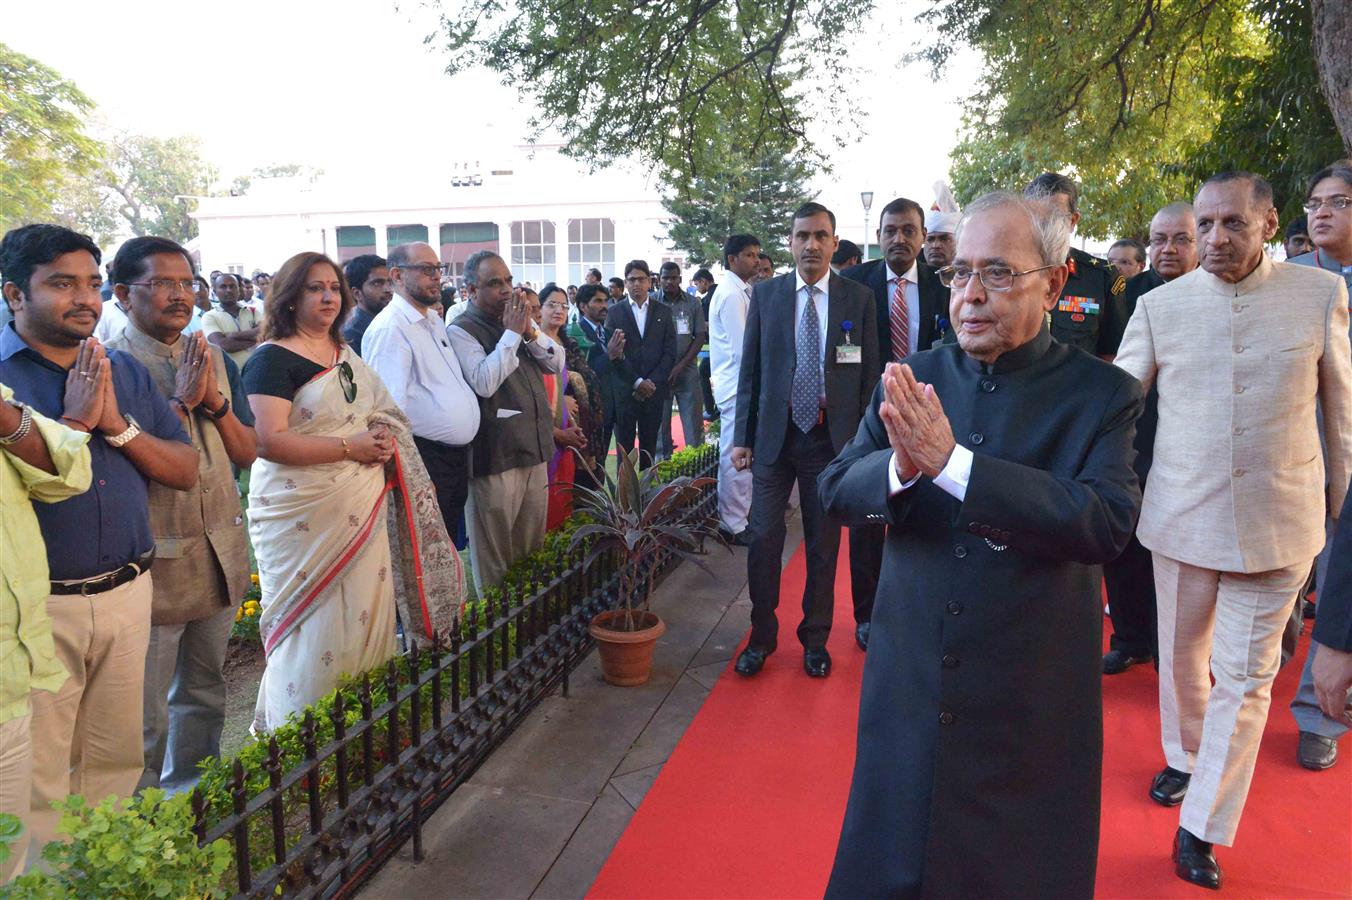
x=941, y=222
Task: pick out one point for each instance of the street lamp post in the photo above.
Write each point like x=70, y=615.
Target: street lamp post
x=867, y=198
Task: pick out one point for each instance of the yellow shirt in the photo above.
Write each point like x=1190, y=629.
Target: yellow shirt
x=27, y=654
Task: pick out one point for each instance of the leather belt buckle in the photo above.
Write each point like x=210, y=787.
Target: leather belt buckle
x=94, y=585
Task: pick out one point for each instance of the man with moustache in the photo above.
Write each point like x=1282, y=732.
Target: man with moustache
x=1241, y=350
x=201, y=552
x=641, y=365
x=683, y=383
x=502, y=356
x=1130, y=579
x=792, y=419
x=1127, y=256
x=765, y=269
x=914, y=305
x=1002, y=469
x=99, y=543
x=369, y=277
x=727, y=328
x=407, y=346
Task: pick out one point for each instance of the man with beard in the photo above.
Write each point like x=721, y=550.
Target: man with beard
x=1242, y=350
x=369, y=278
x=1130, y=578
x=407, y=347
x=202, y=555
x=1002, y=468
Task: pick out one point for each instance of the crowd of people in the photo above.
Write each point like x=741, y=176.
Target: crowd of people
x=953, y=403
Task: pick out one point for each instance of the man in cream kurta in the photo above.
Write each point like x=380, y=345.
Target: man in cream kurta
x=1240, y=350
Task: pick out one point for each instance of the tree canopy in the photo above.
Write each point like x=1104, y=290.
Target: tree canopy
x=1139, y=100
x=42, y=136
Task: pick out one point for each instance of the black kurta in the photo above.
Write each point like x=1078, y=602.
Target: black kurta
x=980, y=724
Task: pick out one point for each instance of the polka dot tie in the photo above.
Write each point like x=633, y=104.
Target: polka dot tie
x=807, y=370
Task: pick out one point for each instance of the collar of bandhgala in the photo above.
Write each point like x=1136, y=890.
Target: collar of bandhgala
x=1018, y=358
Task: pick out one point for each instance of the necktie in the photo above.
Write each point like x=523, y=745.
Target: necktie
x=601, y=335
x=807, y=371
x=901, y=322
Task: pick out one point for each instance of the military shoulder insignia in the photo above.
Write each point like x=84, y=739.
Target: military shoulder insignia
x=1120, y=284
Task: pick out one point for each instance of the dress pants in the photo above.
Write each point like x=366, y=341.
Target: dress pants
x=1305, y=705
x=800, y=461
x=184, y=699
x=690, y=401
x=88, y=733
x=644, y=416
x=506, y=517
x=734, y=486
x=448, y=468
x=1234, y=621
x=16, y=785
x=707, y=387
x=866, y=563
x=1130, y=580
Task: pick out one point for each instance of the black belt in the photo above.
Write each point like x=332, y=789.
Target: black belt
x=90, y=586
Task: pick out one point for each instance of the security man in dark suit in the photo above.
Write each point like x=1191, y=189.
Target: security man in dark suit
x=912, y=308
x=1091, y=313
x=640, y=373
x=809, y=366
x=1327, y=683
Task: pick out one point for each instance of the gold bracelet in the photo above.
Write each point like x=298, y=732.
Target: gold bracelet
x=347, y=449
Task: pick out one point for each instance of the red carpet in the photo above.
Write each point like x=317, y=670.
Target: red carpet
x=731, y=815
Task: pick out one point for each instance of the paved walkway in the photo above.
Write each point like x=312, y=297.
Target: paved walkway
x=540, y=817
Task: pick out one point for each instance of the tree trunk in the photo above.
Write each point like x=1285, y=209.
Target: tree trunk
x=1332, y=20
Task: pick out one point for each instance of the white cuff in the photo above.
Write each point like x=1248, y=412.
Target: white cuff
x=637, y=382
x=894, y=485
x=955, y=475
x=509, y=339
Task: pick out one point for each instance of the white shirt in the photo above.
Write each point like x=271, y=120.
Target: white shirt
x=640, y=315
x=111, y=321
x=727, y=327
x=407, y=347
x=952, y=479
x=821, y=301
x=486, y=372
x=195, y=323
x=912, y=277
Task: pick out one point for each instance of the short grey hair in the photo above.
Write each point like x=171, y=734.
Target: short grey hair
x=472, y=264
x=1050, y=226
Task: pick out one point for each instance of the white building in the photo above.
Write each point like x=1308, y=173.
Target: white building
x=549, y=218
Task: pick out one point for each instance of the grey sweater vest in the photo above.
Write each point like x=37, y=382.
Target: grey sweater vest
x=516, y=441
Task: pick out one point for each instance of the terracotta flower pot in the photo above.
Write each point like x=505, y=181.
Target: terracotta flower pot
x=626, y=656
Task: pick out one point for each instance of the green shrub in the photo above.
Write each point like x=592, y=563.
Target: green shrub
x=143, y=848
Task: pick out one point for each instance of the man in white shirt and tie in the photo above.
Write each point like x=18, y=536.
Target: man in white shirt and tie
x=727, y=324
x=406, y=344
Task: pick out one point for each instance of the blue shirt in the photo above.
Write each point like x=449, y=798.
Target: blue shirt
x=107, y=526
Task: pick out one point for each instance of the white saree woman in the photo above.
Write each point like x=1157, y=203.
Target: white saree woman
x=333, y=451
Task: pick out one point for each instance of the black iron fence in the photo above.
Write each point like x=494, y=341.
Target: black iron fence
x=327, y=806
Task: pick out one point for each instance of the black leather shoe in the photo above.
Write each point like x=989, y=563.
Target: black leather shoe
x=861, y=635
x=817, y=662
x=1307, y=611
x=751, y=661
x=1116, y=662
x=1316, y=751
x=740, y=539
x=1169, y=787
x=1194, y=861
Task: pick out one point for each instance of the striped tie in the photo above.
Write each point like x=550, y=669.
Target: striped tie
x=901, y=322
x=807, y=371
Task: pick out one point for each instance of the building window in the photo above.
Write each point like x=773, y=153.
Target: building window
x=533, y=253
x=460, y=240
x=354, y=240
x=591, y=245
x=405, y=234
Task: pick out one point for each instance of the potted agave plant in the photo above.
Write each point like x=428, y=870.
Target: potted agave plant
x=638, y=519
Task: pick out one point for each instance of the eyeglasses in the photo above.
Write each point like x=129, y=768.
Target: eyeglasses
x=428, y=269
x=1179, y=240
x=1339, y=201
x=345, y=379
x=167, y=285
x=993, y=278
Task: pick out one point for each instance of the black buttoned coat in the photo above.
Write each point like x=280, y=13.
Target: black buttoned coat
x=980, y=724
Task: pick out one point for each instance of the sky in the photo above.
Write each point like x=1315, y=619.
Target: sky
x=350, y=87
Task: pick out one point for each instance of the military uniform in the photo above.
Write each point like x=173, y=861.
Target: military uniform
x=1092, y=312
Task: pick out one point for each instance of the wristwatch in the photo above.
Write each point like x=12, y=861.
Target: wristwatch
x=220, y=413
x=25, y=424
x=118, y=440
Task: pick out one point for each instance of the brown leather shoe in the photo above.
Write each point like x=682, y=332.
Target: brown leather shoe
x=1316, y=752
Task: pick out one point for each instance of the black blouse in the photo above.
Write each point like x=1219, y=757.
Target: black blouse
x=278, y=372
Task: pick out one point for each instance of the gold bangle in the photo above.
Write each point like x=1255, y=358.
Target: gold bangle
x=347, y=448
